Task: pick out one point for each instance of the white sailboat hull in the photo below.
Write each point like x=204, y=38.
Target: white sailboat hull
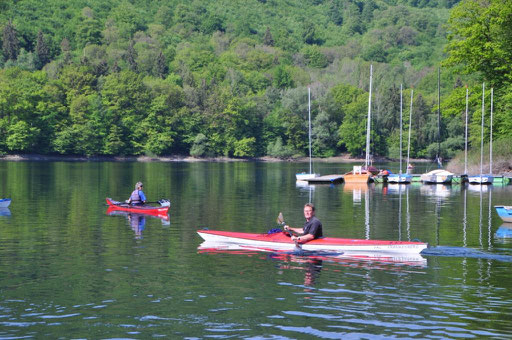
x=305, y=176
x=480, y=179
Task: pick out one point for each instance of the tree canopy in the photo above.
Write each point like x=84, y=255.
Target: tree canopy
x=230, y=77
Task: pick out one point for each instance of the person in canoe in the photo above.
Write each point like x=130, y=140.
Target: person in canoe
x=137, y=197
x=312, y=227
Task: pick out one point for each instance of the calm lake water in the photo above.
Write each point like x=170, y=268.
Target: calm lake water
x=68, y=270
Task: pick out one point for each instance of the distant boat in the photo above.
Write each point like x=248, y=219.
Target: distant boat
x=438, y=176
x=303, y=175
x=505, y=212
x=400, y=177
x=4, y=202
x=482, y=178
x=361, y=174
x=432, y=177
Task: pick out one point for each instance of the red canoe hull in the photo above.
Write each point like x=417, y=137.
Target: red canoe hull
x=282, y=241
x=145, y=209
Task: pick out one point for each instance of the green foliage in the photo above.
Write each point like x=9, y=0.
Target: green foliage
x=21, y=137
x=278, y=149
x=480, y=39
x=314, y=56
x=201, y=147
x=229, y=78
x=352, y=131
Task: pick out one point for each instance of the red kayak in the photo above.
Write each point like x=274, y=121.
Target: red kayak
x=281, y=240
x=139, y=209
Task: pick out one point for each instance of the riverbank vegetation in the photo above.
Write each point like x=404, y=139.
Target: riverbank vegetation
x=230, y=78
x=501, y=160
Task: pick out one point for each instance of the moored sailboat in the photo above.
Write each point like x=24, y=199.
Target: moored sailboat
x=438, y=176
x=361, y=174
x=400, y=177
x=482, y=178
x=305, y=176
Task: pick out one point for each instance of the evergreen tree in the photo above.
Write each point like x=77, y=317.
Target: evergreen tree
x=10, y=43
x=161, y=66
x=131, y=57
x=268, y=39
x=42, y=51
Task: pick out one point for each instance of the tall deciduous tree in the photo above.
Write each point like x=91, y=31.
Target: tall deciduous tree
x=480, y=39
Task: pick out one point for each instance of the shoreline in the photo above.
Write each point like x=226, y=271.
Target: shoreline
x=344, y=158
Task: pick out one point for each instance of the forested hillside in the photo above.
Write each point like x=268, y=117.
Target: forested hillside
x=230, y=77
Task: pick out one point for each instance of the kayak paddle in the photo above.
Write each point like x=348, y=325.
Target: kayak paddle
x=280, y=221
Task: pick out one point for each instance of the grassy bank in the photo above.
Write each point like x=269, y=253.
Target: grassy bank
x=501, y=159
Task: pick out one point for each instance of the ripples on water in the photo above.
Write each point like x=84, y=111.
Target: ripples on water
x=67, y=270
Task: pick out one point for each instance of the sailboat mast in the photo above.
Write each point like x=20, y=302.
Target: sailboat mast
x=482, y=134
x=368, y=123
x=490, y=137
x=438, y=112
x=466, y=136
x=401, y=104
x=309, y=129
x=410, y=123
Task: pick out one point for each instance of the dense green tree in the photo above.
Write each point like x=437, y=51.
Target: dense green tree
x=42, y=51
x=282, y=78
x=88, y=30
x=480, y=40
x=10, y=43
x=352, y=131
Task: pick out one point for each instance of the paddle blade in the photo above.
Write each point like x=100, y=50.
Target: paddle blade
x=165, y=203
x=280, y=218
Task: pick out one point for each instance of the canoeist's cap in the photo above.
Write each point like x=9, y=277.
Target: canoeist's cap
x=138, y=185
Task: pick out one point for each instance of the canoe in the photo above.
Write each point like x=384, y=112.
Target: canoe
x=505, y=212
x=4, y=202
x=140, y=209
x=281, y=240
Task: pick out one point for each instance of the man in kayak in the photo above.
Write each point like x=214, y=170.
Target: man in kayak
x=312, y=227
x=137, y=197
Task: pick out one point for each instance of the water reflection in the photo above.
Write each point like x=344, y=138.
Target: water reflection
x=504, y=232
x=438, y=190
x=5, y=212
x=361, y=259
x=137, y=221
x=357, y=190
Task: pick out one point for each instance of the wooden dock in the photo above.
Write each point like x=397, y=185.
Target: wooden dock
x=326, y=179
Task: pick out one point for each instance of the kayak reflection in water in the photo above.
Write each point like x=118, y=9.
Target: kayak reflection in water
x=137, y=197
x=138, y=224
x=312, y=227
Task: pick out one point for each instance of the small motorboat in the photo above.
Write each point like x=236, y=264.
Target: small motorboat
x=4, y=202
x=505, y=212
x=438, y=176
